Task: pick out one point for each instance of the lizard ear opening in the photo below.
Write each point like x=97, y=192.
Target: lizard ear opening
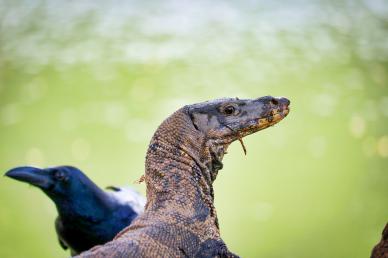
x=199, y=121
x=204, y=121
x=194, y=121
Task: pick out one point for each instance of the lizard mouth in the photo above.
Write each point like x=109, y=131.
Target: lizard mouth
x=274, y=117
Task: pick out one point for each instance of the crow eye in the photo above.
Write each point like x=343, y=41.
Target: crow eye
x=229, y=110
x=59, y=175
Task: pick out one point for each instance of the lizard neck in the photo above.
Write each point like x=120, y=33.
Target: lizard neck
x=180, y=170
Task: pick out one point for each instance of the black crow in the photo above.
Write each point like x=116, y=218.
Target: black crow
x=87, y=215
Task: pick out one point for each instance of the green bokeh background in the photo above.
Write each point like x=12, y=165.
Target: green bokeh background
x=87, y=82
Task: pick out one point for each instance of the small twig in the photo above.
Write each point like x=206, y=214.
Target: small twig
x=242, y=144
x=239, y=138
x=140, y=180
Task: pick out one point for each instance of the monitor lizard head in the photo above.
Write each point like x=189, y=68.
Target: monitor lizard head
x=231, y=119
x=223, y=121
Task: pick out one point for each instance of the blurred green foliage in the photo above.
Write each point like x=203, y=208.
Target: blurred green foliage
x=87, y=83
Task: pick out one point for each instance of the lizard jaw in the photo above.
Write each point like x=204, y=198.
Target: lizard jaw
x=275, y=117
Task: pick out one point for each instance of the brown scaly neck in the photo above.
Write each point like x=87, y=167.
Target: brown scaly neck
x=180, y=170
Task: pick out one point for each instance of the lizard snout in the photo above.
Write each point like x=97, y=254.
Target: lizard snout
x=281, y=105
x=284, y=102
x=281, y=102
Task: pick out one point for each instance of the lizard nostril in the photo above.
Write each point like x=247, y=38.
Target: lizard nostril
x=274, y=101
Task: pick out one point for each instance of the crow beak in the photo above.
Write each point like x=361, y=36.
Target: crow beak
x=34, y=176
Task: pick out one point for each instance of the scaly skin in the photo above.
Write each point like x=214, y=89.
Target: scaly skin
x=182, y=162
x=381, y=249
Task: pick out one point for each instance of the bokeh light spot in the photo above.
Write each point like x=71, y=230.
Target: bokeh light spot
x=382, y=146
x=384, y=105
x=80, y=149
x=324, y=104
x=357, y=126
x=114, y=114
x=370, y=110
x=34, y=91
x=10, y=114
x=318, y=146
x=138, y=130
x=35, y=157
x=68, y=119
x=141, y=91
x=354, y=79
x=369, y=146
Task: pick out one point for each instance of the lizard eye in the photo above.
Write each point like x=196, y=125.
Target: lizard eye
x=229, y=110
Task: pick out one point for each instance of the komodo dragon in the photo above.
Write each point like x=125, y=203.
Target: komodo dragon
x=182, y=162
x=381, y=249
